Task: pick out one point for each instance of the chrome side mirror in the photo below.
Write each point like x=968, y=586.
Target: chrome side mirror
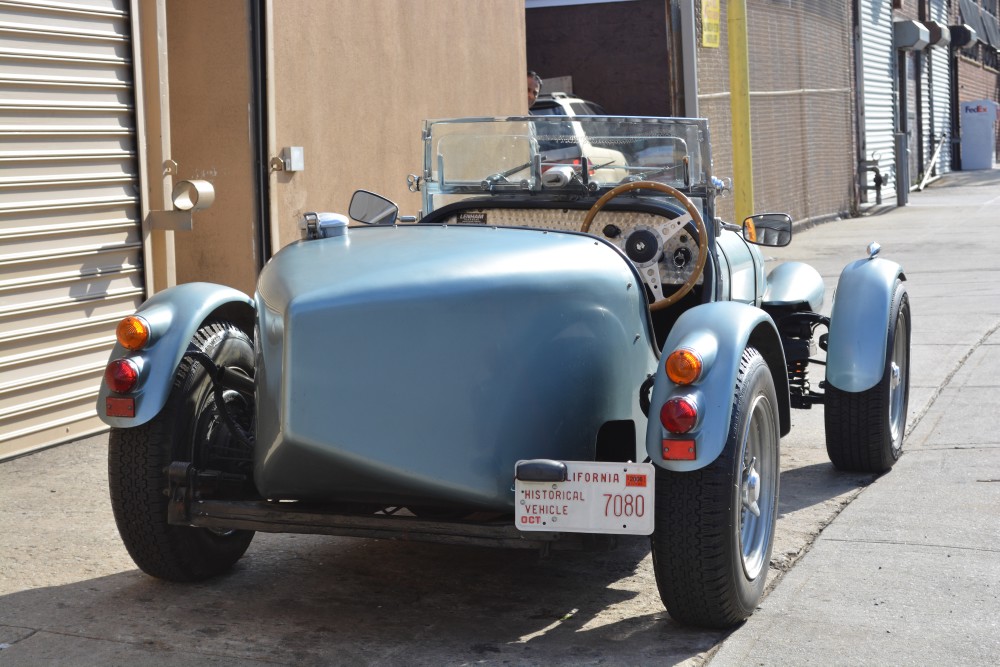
x=768, y=229
x=372, y=209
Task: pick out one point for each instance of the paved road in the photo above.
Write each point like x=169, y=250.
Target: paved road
x=70, y=595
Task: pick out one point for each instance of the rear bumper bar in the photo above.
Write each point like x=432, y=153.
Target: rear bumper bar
x=288, y=517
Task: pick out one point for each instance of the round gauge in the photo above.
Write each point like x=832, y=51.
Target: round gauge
x=682, y=257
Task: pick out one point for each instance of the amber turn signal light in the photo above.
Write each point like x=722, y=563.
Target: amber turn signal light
x=683, y=366
x=132, y=333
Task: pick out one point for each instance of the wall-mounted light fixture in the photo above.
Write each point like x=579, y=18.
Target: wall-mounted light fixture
x=187, y=197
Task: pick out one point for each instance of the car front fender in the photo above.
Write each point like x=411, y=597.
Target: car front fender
x=174, y=316
x=719, y=332
x=859, y=324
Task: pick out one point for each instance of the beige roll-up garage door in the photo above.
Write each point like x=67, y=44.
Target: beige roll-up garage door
x=70, y=238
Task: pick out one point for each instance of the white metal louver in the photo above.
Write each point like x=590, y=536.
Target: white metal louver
x=879, y=69
x=70, y=236
x=937, y=96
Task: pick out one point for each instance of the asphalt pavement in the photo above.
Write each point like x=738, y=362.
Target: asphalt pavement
x=909, y=572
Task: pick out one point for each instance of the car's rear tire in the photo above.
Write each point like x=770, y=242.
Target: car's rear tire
x=710, y=551
x=138, y=458
x=864, y=430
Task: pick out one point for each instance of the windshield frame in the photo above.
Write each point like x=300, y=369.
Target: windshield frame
x=508, y=156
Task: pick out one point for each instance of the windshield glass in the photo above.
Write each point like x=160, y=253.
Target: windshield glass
x=560, y=156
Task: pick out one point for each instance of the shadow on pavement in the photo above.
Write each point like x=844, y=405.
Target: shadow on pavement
x=815, y=484
x=315, y=600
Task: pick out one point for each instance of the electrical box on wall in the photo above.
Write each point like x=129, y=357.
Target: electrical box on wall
x=293, y=158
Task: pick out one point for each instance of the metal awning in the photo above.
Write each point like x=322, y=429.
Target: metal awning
x=980, y=20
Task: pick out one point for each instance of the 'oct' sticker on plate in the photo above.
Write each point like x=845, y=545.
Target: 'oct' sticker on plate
x=597, y=497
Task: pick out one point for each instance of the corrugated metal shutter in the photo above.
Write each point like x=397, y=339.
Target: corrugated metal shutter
x=937, y=96
x=70, y=238
x=879, y=69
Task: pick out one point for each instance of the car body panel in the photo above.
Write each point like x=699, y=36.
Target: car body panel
x=527, y=341
x=793, y=283
x=173, y=316
x=718, y=332
x=742, y=279
x=859, y=323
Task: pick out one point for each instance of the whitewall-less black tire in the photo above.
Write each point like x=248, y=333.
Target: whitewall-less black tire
x=715, y=526
x=864, y=430
x=138, y=457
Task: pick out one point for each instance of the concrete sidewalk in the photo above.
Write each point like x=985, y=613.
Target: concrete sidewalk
x=909, y=572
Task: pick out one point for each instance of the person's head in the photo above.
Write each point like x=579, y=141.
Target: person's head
x=534, y=85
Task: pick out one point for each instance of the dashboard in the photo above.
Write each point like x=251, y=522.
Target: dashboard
x=664, y=249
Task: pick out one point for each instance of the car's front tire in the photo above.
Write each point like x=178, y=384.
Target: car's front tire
x=864, y=430
x=715, y=526
x=138, y=458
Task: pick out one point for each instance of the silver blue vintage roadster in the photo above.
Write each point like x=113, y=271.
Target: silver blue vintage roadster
x=566, y=345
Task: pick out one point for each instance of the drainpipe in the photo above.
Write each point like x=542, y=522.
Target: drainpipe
x=739, y=87
x=907, y=36
x=902, y=143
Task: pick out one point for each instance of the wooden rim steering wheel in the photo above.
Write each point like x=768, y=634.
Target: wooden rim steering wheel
x=692, y=210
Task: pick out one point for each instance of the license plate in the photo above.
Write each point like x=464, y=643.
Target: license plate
x=597, y=497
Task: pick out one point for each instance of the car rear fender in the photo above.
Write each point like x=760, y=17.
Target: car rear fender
x=174, y=316
x=719, y=333
x=859, y=323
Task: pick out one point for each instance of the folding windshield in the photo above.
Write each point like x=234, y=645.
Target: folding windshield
x=560, y=156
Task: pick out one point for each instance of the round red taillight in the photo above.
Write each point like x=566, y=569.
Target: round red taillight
x=678, y=415
x=121, y=376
